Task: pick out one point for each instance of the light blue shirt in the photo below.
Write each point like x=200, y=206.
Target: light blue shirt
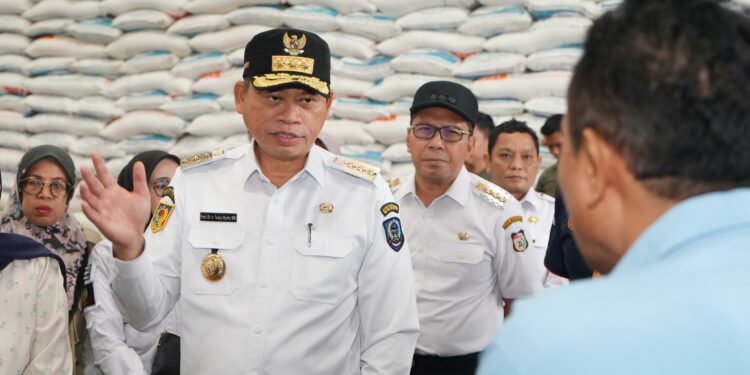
x=678, y=302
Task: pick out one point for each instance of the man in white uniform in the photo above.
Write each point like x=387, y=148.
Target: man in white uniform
x=514, y=164
x=277, y=251
x=466, y=235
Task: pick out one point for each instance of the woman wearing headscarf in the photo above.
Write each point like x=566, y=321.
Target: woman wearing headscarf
x=33, y=308
x=117, y=347
x=45, y=183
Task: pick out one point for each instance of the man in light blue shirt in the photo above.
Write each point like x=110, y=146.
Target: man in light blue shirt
x=655, y=168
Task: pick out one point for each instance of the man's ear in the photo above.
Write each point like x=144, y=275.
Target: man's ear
x=471, y=144
x=239, y=95
x=599, y=161
x=329, y=100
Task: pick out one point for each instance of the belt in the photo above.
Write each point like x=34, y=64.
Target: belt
x=422, y=360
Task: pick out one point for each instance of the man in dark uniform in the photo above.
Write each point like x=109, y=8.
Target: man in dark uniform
x=553, y=140
x=563, y=257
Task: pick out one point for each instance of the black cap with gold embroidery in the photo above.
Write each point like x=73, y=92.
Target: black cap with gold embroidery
x=288, y=57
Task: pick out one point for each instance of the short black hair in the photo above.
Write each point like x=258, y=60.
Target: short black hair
x=485, y=124
x=511, y=126
x=666, y=83
x=551, y=125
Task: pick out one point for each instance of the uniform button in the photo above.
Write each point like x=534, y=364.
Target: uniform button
x=258, y=329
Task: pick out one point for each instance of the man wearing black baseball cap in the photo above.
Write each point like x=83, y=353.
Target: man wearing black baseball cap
x=467, y=235
x=286, y=259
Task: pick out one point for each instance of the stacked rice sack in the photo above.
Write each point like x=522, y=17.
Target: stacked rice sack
x=122, y=76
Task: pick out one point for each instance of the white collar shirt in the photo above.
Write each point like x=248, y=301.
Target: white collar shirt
x=330, y=298
x=464, y=263
x=539, y=214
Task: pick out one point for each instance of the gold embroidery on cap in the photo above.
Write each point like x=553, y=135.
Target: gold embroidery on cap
x=292, y=64
x=275, y=79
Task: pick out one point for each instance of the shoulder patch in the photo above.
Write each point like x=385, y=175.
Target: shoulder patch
x=491, y=193
x=160, y=217
x=520, y=243
x=201, y=159
x=394, y=235
x=511, y=220
x=388, y=208
x=356, y=168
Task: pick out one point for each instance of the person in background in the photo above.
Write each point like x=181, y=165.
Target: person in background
x=654, y=170
x=39, y=209
x=563, y=258
x=478, y=160
x=552, y=138
x=33, y=308
x=466, y=235
x=514, y=163
x=118, y=348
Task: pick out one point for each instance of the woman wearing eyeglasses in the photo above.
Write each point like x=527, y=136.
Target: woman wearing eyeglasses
x=117, y=347
x=39, y=208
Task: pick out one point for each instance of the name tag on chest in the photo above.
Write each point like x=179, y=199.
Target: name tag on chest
x=219, y=217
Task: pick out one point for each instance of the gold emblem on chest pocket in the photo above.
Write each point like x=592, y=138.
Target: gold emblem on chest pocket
x=213, y=267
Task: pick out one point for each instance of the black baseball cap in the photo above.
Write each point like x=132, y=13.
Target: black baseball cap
x=448, y=95
x=278, y=58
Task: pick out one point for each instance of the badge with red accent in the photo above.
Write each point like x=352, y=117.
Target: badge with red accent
x=161, y=215
x=393, y=233
x=520, y=244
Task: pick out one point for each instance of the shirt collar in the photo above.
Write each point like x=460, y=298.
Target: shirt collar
x=314, y=166
x=461, y=187
x=459, y=191
x=694, y=218
x=531, y=198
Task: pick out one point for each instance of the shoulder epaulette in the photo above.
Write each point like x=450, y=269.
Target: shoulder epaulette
x=356, y=168
x=394, y=184
x=201, y=159
x=491, y=193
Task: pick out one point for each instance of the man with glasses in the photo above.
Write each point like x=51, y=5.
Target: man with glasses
x=466, y=235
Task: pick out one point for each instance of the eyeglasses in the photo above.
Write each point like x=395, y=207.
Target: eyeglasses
x=447, y=133
x=159, y=185
x=34, y=186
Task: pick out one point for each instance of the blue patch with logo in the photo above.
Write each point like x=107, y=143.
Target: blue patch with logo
x=393, y=233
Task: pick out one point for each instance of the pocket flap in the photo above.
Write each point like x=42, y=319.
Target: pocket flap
x=224, y=237
x=323, y=245
x=468, y=254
